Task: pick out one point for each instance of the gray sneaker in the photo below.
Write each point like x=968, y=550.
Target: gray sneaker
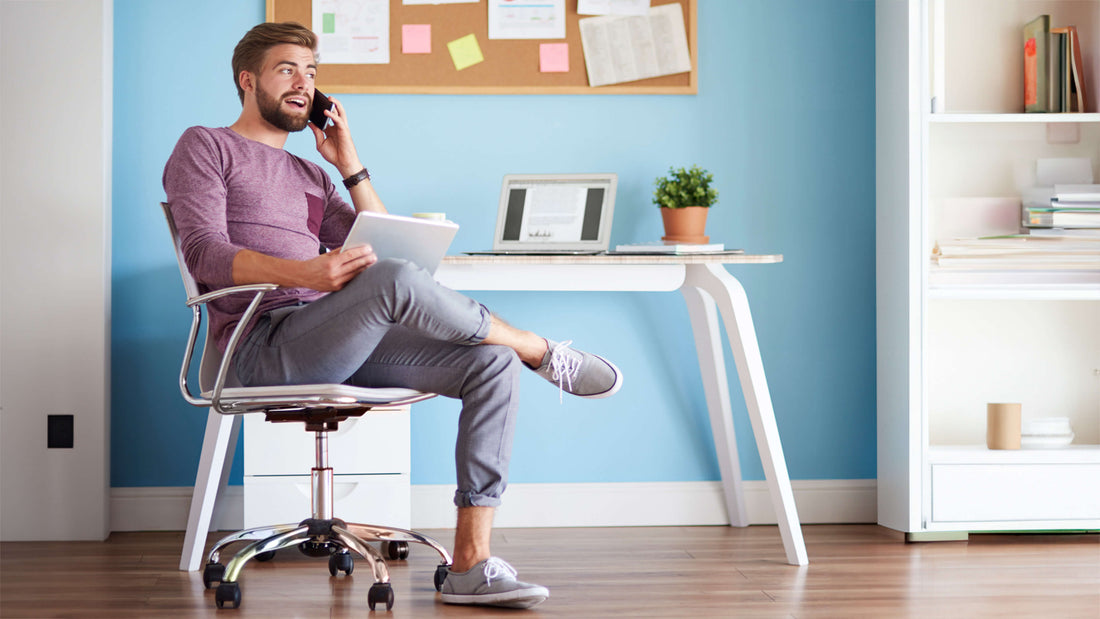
x=579, y=373
x=491, y=583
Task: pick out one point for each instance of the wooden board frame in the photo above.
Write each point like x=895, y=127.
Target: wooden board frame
x=510, y=66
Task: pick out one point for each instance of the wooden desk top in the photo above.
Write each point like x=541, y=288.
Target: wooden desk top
x=605, y=259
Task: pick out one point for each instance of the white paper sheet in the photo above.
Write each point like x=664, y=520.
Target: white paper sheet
x=612, y=7
x=440, y=1
x=623, y=49
x=526, y=19
x=352, y=31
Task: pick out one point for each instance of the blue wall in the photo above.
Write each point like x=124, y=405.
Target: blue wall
x=784, y=119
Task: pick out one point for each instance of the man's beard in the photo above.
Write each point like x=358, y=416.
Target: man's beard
x=272, y=112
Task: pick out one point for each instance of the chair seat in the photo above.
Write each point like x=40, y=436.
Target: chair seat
x=244, y=399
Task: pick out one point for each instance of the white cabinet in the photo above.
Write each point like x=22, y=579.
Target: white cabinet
x=949, y=341
x=369, y=455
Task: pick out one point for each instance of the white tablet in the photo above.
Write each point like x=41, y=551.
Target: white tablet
x=423, y=242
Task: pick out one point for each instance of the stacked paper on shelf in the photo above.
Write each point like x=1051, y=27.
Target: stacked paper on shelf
x=1074, y=206
x=1019, y=252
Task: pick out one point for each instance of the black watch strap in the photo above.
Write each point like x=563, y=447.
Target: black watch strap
x=356, y=178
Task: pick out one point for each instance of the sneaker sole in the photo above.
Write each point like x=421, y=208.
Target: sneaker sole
x=522, y=598
x=614, y=388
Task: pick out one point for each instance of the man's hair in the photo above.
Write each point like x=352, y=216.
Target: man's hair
x=250, y=51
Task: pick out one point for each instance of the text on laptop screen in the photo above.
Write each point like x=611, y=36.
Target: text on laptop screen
x=556, y=210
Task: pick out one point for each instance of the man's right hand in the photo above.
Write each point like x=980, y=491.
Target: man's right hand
x=330, y=271
x=327, y=273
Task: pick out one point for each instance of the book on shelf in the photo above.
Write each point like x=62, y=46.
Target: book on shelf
x=1065, y=232
x=1037, y=64
x=1064, y=218
x=1075, y=97
x=1077, y=193
x=1055, y=79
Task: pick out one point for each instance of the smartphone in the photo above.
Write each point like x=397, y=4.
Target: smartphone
x=317, y=112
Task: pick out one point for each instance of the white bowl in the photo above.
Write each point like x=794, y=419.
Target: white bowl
x=1046, y=441
x=1048, y=426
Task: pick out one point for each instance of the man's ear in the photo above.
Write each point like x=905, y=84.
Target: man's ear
x=247, y=81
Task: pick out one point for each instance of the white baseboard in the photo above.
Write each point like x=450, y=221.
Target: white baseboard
x=843, y=501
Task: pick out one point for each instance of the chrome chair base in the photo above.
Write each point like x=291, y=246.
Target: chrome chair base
x=319, y=537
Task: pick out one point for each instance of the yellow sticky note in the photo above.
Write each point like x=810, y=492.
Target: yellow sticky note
x=465, y=52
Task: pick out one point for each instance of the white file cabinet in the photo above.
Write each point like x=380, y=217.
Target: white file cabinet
x=369, y=455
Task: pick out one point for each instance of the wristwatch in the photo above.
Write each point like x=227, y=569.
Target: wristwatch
x=356, y=178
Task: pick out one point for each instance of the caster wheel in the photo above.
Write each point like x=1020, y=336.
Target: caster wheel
x=341, y=562
x=265, y=556
x=395, y=551
x=380, y=593
x=440, y=576
x=228, y=593
x=212, y=574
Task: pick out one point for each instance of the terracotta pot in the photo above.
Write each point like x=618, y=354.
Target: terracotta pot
x=685, y=225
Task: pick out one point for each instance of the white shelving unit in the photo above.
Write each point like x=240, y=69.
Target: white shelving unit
x=950, y=341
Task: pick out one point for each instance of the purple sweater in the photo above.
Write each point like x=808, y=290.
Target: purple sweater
x=228, y=193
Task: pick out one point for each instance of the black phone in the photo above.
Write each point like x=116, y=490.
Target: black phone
x=317, y=112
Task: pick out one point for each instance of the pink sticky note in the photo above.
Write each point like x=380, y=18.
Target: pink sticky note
x=416, y=39
x=554, y=57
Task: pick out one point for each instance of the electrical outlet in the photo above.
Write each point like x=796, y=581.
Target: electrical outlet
x=59, y=431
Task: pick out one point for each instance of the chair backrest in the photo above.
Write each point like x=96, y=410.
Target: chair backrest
x=211, y=356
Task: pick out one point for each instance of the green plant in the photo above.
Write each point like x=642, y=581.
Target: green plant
x=685, y=187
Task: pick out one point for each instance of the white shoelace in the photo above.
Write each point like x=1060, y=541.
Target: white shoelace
x=496, y=568
x=564, y=367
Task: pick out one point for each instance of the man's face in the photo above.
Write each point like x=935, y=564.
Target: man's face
x=284, y=87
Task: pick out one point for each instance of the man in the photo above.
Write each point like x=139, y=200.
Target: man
x=249, y=212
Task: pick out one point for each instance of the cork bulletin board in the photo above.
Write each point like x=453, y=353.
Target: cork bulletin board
x=510, y=66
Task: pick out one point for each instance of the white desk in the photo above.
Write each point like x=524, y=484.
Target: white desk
x=708, y=290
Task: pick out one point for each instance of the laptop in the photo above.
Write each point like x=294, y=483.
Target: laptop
x=421, y=241
x=554, y=214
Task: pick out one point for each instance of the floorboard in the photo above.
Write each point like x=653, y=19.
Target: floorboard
x=854, y=571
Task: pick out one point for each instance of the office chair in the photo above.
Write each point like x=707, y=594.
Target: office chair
x=321, y=408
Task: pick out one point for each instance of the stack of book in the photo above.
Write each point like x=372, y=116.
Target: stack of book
x=1073, y=208
x=1054, y=73
x=1020, y=252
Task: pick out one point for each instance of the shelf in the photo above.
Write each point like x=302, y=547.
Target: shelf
x=975, y=117
x=1019, y=285
x=980, y=454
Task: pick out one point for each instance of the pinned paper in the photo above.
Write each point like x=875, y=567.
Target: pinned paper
x=465, y=52
x=416, y=39
x=554, y=57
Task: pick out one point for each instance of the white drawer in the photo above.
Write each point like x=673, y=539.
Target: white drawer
x=365, y=499
x=377, y=442
x=1021, y=492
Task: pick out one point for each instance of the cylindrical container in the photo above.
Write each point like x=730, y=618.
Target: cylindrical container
x=432, y=216
x=1002, y=425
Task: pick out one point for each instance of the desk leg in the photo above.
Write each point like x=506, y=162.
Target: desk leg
x=733, y=305
x=217, y=449
x=712, y=365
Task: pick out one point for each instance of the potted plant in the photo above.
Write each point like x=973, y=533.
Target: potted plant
x=684, y=195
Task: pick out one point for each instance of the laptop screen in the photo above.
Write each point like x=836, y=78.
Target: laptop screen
x=555, y=212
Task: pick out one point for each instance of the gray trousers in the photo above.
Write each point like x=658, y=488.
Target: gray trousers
x=394, y=326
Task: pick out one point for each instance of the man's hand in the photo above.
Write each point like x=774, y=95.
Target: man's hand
x=327, y=273
x=335, y=143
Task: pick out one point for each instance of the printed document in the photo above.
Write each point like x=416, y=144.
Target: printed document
x=352, y=31
x=612, y=7
x=526, y=19
x=627, y=48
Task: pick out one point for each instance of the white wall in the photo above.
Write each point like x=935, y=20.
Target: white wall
x=55, y=204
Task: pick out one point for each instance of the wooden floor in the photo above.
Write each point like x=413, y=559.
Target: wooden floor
x=854, y=571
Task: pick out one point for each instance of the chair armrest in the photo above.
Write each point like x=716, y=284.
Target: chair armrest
x=223, y=370
x=221, y=292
